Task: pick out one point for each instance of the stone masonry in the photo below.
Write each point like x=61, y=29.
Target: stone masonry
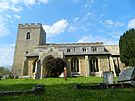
x=85, y=59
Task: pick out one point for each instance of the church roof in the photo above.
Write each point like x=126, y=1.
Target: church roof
x=76, y=49
x=113, y=49
x=32, y=55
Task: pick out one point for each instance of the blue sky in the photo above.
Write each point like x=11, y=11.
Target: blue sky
x=65, y=21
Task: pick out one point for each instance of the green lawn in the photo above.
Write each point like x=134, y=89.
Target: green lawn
x=57, y=89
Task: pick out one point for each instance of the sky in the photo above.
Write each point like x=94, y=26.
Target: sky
x=65, y=21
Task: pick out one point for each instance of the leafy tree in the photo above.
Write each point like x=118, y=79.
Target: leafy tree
x=127, y=47
x=53, y=66
x=4, y=70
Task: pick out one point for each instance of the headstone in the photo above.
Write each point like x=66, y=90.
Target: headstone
x=25, y=76
x=62, y=75
x=108, y=77
x=127, y=75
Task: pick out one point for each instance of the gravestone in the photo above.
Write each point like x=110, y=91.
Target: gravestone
x=127, y=75
x=108, y=77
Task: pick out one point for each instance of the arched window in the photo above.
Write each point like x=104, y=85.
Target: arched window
x=28, y=35
x=74, y=65
x=94, y=64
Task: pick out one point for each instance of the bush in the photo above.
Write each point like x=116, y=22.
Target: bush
x=53, y=66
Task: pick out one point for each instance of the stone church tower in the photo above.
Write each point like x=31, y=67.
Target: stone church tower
x=28, y=37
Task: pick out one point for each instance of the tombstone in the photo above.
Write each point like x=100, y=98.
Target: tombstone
x=62, y=75
x=108, y=77
x=127, y=75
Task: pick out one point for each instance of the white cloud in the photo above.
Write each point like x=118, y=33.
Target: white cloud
x=4, y=5
x=13, y=6
x=17, y=17
x=89, y=38
x=7, y=5
x=43, y=1
x=86, y=38
x=110, y=23
x=4, y=31
x=115, y=35
x=57, y=27
x=16, y=5
x=131, y=23
x=8, y=16
x=6, y=54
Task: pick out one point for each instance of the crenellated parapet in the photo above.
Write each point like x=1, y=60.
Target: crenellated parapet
x=29, y=25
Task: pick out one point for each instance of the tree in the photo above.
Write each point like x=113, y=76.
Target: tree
x=53, y=66
x=5, y=71
x=127, y=47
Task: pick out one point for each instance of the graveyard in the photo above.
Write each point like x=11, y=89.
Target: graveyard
x=58, y=89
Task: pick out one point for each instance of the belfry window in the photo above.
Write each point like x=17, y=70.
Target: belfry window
x=28, y=35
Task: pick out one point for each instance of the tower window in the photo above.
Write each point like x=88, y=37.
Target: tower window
x=28, y=35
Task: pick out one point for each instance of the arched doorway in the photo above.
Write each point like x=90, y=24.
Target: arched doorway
x=93, y=65
x=36, y=68
x=74, y=64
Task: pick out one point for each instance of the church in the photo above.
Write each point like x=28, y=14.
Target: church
x=83, y=59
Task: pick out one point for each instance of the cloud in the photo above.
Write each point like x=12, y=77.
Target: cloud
x=17, y=17
x=90, y=38
x=16, y=5
x=88, y=1
x=4, y=31
x=86, y=38
x=110, y=23
x=57, y=27
x=6, y=54
x=4, y=5
x=7, y=5
x=131, y=23
x=115, y=34
x=43, y=1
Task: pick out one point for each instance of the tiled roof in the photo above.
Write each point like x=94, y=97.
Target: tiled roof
x=113, y=49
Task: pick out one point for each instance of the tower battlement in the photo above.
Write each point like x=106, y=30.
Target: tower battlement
x=26, y=25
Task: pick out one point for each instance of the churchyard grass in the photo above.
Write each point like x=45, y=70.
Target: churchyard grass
x=57, y=89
